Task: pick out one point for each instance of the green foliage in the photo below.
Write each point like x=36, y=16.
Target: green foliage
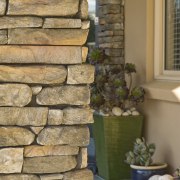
x=141, y=154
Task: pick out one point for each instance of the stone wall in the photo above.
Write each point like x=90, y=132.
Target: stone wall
x=111, y=29
x=44, y=92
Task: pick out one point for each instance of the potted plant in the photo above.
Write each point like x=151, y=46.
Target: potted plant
x=117, y=121
x=140, y=160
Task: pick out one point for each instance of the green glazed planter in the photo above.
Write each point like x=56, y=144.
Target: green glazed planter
x=114, y=136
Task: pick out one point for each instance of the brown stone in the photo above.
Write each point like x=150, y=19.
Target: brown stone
x=43, y=8
x=40, y=54
x=39, y=151
x=79, y=175
x=36, y=89
x=85, y=25
x=11, y=160
x=33, y=74
x=55, y=117
x=47, y=36
x=111, y=9
x=15, y=136
x=102, y=2
x=50, y=164
x=37, y=130
x=74, y=95
x=72, y=135
x=19, y=177
x=18, y=22
x=2, y=7
x=3, y=37
x=62, y=23
x=23, y=116
x=82, y=158
x=15, y=95
x=77, y=116
x=83, y=9
x=51, y=177
x=84, y=53
x=112, y=45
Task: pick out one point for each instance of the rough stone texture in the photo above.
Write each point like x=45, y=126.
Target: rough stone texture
x=82, y=158
x=77, y=116
x=36, y=89
x=17, y=22
x=15, y=136
x=19, y=177
x=79, y=175
x=3, y=37
x=72, y=135
x=55, y=117
x=51, y=177
x=11, y=160
x=43, y=8
x=34, y=116
x=15, y=95
x=36, y=130
x=80, y=74
x=47, y=36
x=33, y=74
x=62, y=23
x=85, y=25
x=102, y=2
x=2, y=7
x=83, y=9
x=51, y=164
x=74, y=95
x=84, y=54
x=40, y=54
x=39, y=151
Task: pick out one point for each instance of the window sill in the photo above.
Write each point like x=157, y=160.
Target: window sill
x=163, y=90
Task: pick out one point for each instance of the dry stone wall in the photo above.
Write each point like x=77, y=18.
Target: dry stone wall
x=44, y=91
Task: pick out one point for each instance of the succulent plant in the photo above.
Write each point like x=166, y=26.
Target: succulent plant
x=141, y=154
x=111, y=88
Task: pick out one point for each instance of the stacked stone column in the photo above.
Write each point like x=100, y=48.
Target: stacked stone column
x=44, y=91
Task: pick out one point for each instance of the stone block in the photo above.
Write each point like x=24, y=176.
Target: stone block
x=83, y=14
x=2, y=7
x=102, y=2
x=39, y=151
x=84, y=174
x=19, y=177
x=84, y=53
x=69, y=135
x=114, y=18
x=55, y=117
x=77, y=116
x=82, y=158
x=33, y=74
x=80, y=74
x=11, y=160
x=112, y=45
x=47, y=36
x=70, y=95
x=36, y=89
x=113, y=52
x=43, y=8
x=62, y=23
x=15, y=95
x=111, y=39
x=36, y=130
x=50, y=164
x=7, y=22
x=51, y=177
x=3, y=37
x=111, y=9
x=40, y=54
x=15, y=136
x=85, y=25
x=27, y=116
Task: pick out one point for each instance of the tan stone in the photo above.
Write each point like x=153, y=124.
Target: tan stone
x=83, y=9
x=80, y=74
x=79, y=175
x=72, y=135
x=15, y=95
x=18, y=22
x=2, y=7
x=36, y=89
x=15, y=136
x=61, y=23
x=55, y=117
x=27, y=116
x=50, y=164
x=47, y=36
x=51, y=177
x=43, y=8
x=19, y=177
x=77, y=116
x=3, y=37
x=39, y=151
x=40, y=54
x=85, y=25
x=74, y=95
x=37, y=130
x=11, y=160
x=102, y=2
x=33, y=74
x=84, y=54
x=82, y=158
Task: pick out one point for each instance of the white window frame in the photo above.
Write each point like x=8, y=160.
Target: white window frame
x=159, y=45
